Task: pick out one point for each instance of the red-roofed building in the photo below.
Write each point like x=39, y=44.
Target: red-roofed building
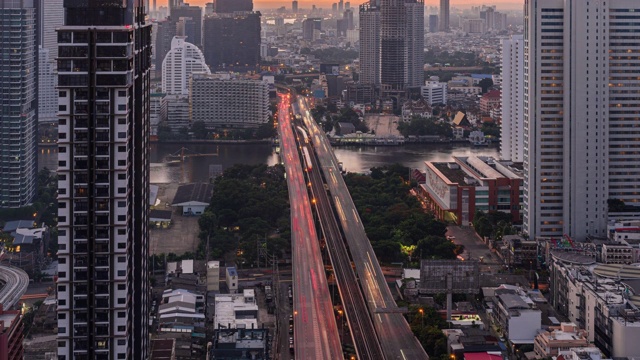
x=490, y=101
x=483, y=356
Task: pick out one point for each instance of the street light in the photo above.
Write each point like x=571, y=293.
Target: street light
x=422, y=316
x=341, y=326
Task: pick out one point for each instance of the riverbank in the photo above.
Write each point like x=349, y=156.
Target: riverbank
x=213, y=141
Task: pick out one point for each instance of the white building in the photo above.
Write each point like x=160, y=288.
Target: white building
x=183, y=60
x=516, y=314
x=511, y=131
x=225, y=102
x=579, y=138
x=236, y=311
x=434, y=92
x=47, y=82
x=50, y=18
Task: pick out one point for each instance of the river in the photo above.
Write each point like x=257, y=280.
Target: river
x=354, y=159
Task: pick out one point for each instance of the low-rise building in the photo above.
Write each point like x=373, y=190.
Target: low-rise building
x=519, y=252
x=240, y=344
x=181, y=311
x=490, y=101
x=516, y=315
x=454, y=191
x=434, y=92
x=236, y=311
x=601, y=298
x=193, y=199
x=567, y=335
x=174, y=112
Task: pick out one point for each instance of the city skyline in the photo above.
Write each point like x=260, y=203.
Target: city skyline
x=306, y=4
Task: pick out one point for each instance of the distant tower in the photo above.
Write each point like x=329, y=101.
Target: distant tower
x=183, y=60
x=340, y=5
x=369, y=44
x=294, y=6
x=512, y=102
x=444, y=15
x=433, y=23
x=401, y=44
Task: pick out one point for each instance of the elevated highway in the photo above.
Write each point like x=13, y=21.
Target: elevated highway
x=315, y=330
x=13, y=284
x=393, y=331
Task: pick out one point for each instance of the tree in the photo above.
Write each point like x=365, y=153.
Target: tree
x=485, y=84
x=199, y=129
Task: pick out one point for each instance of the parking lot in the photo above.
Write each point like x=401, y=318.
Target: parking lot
x=474, y=247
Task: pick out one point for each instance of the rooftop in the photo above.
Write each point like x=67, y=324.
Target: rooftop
x=456, y=176
x=193, y=193
x=12, y=226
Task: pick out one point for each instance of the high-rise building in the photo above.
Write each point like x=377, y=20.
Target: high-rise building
x=103, y=180
x=224, y=102
x=511, y=130
x=229, y=6
x=369, y=44
x=443, y=19
x=401, y=44
x=50, y=17
x=294, y=6
x=341, y=5
x=348, y=17
x=18, y=119
x=182, y=60
x=309, y=26
x=194, y=35
x=47, y=94
x=165, y=31
x=580, y=111
x=433, y=23
x=11, y=334
x=232, y=41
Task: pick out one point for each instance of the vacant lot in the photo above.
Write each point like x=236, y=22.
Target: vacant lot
x=182, y=235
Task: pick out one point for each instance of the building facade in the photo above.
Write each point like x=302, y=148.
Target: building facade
x=103, y=180
x=232, y=41
x=174, y=112
x=18, y=119
x=454, y=191
x=230, y=6
x=11, y=335
x=435, y=92
x=181, y=61
x=369, y=44
x=229, y=103
x=164, y=34
x=566, y=336
x=579, y=139
x=512, y=101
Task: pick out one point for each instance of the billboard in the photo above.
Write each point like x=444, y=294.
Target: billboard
x=439, y=276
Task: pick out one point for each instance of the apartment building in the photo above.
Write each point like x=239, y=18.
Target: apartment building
x=104, y=59
x=579, y=102
x=226, y=102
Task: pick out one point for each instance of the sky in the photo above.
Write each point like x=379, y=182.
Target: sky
x=272, y=4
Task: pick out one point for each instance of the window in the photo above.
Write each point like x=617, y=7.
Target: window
x=122, y=107
x=62, y=177
x=121, y=301
x=121, y=355
x=62, y=94
x=62, y=107
x=61, y=344
x=62, y=163
x=62, y=205
x=122, y=203
x=121, y=342
x=62, y=316
x=122, y=149
x=62, y=302
x=62, y=260
x=62, y=219
x=122, y=245
x=121, y=328
x=121, y=314
x=122, y=121
x=122, y=162
x=122, y=272
x=122, y=93
x=122, y=135
x=121, y=259
x=122, y=176
x=62, y=135
x=122, y=190
x=122, y=231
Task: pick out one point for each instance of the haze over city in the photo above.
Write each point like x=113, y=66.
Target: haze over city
x=267, y=4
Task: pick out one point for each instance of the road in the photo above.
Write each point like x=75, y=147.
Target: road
x=396, y=338
x=315, y=330
x=363, y=333
x=16, y=282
